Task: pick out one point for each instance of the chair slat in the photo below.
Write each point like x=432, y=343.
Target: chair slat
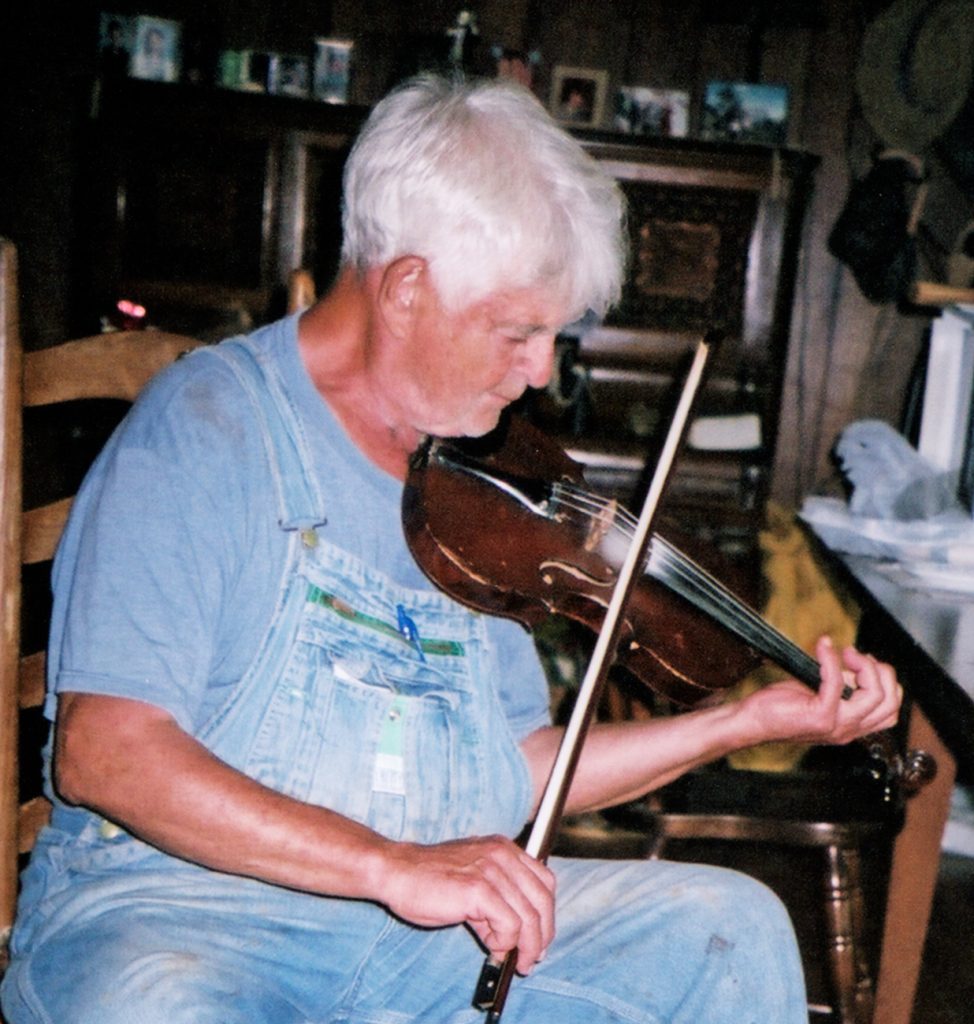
x=42, y=530
x=10, y=533
x=113, y=365
x=34, y=815
x=32, y=671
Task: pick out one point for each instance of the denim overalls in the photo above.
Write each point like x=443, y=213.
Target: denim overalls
x=376, y=701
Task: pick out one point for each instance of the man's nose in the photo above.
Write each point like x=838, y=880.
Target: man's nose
x=540, y=359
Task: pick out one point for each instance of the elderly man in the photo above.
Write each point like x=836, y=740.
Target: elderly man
x=287, y=770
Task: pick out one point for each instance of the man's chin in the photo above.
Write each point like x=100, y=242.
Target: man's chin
x=471, y=426
x=483, y=424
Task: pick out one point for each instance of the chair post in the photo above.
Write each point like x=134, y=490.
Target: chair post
x=851, y=976
x=300, y=290
x=10, y=540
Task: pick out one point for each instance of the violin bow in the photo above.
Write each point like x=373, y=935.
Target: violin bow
x=495, y=976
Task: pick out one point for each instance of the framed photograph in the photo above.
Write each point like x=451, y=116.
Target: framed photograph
x=156, y=54
x=578, y=95
x=288, y=75
x=643, y=111
x=745, y=112
x=230, y=69
x=116, y=39
x=332, y=70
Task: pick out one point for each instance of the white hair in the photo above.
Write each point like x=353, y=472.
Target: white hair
x=478, y=180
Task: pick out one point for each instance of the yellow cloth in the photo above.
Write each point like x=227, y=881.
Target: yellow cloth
x=802, y=604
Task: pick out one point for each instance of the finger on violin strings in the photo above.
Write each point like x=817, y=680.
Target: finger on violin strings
x=866, y=673
x=834, y=683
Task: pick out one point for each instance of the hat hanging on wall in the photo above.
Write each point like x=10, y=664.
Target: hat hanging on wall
x=916, y=68
x=875, y=234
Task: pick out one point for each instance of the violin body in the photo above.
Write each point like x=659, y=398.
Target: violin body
x=504, y=525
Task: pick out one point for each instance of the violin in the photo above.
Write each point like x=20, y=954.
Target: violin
x=506, y=525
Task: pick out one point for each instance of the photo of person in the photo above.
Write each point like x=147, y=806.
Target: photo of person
x=115, y=41
x=156, y=55
x=577, y=98
x=333, y=60
x=578, y=95
x=516, y=65
x=288, y=75
x=645, y=111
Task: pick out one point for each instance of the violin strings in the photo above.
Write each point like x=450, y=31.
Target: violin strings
x=700, y=587
x=741, y=617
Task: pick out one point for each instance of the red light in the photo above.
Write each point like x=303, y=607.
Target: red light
x=130, y=309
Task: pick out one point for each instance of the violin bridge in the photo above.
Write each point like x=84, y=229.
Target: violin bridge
x=600, y=524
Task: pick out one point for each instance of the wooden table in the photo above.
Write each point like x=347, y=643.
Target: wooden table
x=928, y=634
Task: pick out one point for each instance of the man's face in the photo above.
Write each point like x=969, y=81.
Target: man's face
x=466, y=367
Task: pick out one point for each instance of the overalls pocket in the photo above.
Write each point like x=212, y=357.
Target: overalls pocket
x=359, y=723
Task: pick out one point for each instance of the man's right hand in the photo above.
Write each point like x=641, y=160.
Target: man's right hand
x=502, y=894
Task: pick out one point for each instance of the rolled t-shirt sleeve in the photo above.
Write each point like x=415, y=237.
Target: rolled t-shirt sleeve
x=145, y=565
x=138, y=603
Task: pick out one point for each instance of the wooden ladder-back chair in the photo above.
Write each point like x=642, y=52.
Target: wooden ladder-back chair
x=106, y=366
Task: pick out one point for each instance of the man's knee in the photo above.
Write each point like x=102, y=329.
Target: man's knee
x=154, y=987
x=738, y=908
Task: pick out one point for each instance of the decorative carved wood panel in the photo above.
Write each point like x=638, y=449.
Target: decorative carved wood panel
x=688, y=257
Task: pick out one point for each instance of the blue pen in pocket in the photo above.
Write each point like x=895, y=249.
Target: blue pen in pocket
x=408, y=629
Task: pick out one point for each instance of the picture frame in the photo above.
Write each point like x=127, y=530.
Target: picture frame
x=116, y=41
x=640, y=110
x=332, y=70
x=289, y=75
x=745, y=112
x=578, y=95
x=230, y=69
x=156, y=49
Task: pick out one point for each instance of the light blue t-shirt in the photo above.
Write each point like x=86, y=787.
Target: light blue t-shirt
x=165, y=579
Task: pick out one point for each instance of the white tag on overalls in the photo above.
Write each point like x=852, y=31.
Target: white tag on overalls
x=389, y=775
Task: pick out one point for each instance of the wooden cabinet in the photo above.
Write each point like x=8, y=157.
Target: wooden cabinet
x=714, y=232
x=198, y=202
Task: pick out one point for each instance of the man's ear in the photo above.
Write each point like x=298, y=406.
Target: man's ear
x=400, y=289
